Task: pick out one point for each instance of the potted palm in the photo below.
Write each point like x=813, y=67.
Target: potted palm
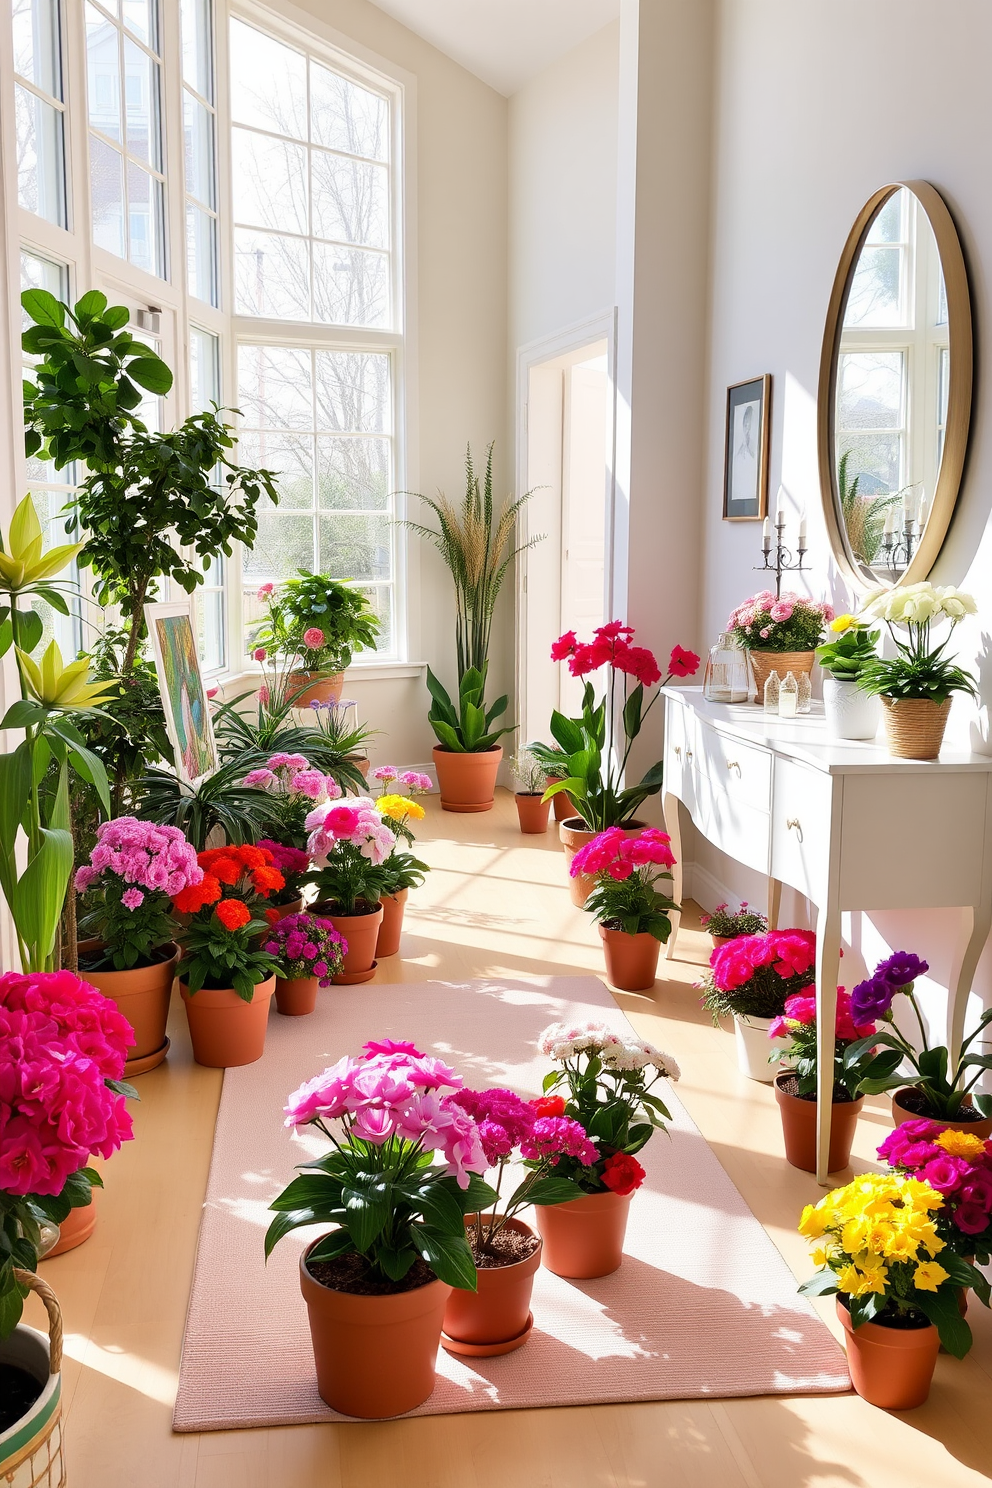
x=225, y=978
x=222, y=801
x=313, y=624
x=917, y=684
x=594, y=775
x=349, y=846
x=850, y=712
x=625, y=902
x=779, y=633
x=377, y=1282
x=606, y=1084
x=531, y=777
x=750, y=979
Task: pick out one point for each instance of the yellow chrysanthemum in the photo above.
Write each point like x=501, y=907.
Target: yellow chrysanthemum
x=960, y=1144
x=902, y=1247
x=400, y=807
x=860, y=1283
x=928, y=1277
x=842, y=623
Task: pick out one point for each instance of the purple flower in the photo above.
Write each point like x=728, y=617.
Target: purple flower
x=872, y=999
x=901, y=968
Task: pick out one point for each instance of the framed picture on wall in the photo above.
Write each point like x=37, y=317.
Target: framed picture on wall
x=745, y=471
x=172, y=629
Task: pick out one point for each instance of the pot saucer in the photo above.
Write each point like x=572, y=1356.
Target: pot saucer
x=488, y=1350
x=352, y=978
x=146, y=1062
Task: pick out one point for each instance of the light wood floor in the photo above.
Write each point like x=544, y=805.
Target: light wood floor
x=494, y=904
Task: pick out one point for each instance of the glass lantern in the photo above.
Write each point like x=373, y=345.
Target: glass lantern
x=725, y=678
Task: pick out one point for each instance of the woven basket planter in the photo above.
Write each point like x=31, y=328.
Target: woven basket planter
x=31, y=1449
x=915, y=726
x=763, y=663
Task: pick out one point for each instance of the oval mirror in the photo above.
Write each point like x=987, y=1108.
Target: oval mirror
x=894, y=400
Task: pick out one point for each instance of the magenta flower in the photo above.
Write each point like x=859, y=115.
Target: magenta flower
x=259, y=653
x=132, y=898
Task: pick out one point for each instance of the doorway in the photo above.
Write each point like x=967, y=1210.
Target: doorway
x=565, y=450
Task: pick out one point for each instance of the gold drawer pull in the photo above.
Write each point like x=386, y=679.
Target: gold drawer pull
x=793, y=821
x=688, y=754
x=733, y=765
x=678, y=751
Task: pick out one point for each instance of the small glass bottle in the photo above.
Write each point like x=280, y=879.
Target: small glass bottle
x=805, y=692
x=771, y=693
x=788, y=697
x=725, y=678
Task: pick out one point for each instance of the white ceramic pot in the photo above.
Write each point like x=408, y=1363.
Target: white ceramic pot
x=754, y=1047
x=849, y=712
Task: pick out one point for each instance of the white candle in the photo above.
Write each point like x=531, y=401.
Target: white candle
x=802, y=529
x=890, y=522
x=921, y=516
x=780, y=517
x=766, y=535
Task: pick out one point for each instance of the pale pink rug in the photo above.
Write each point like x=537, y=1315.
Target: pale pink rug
x=703, y=1305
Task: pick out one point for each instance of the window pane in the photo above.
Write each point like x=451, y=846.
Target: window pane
x=139, y=18
x=355, y=547
x=274, y=389
x=197, y=49
x=36, y=44
x=875, y=298
x=41, y=273
x=140, y=100
x=103, y=74
x=40, y=173
x=107, y=196
x=888, y=225
x=204, y=369
x=380, y=596
x=351, y=287
x=353, y=391
x=290, y=456
x=875, y=459
x=353, y=474
x=347, y=117
x=272, y=275
x=144, y=214
x=198, y=127
x=210, y=620
x=284, y=544
x=268, y=82
x=870, y=392
x=350, y=200
x=270, y=182
x=201, y=254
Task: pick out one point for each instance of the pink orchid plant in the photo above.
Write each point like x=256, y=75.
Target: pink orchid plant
x=383, y=1115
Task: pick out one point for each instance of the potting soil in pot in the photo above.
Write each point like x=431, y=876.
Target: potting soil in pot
x=350, y=1273
x=914, y=1100
x=18, y=1392
x=506, y=1249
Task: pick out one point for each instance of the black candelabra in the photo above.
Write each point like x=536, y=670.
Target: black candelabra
x=899, y=545
x=778, y=559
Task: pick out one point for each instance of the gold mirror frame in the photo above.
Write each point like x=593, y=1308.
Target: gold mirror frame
x=959, y=392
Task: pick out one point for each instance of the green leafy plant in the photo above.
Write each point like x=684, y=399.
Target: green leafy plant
x=217, y=956
x=728, y=924
x=315, y=622
x=919, y=669
x=242, y=812
x=847, y=656
x=269, y=728
x=402, y=870
x=864, y=516
x=626, y=872
x=469, y=730
x=856, y=1064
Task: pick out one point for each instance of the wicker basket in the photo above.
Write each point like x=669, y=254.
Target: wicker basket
x=915, y=726
x=33, y=1456
x=763, y=663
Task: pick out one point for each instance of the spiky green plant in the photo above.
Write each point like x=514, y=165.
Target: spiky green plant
x=864, y=516
x=476, y=542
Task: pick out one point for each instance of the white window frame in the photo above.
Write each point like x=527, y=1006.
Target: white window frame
x=90, y=267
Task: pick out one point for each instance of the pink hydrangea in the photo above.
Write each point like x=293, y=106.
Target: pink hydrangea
x=140, y=853
x=132, y=898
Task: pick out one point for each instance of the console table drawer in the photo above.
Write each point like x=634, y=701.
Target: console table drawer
x=736, y=770
x=737, y=828
x=800, y=847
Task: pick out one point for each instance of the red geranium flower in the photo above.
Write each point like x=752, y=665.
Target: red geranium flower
x=232, y=914
x=549, y=1105
x=190, y=899
x=623, y=1173
x=683, y=663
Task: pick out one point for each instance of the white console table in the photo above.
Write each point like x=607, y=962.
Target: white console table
x=841, y=821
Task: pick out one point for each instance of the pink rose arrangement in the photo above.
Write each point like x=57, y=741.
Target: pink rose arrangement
x=957, y=1165
x=349, y=843
x=63, y=1048
x=626, y=872
x=135, y=869
x=382, y=1114
x=752, y=976
x=790, y=623
x=592, y=771
x=304, y=945
x=607, y=1081
x=510, y=1129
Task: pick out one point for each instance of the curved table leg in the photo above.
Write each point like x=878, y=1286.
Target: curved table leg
x=670, y=808
x=774, y=902
x=827, y=971
x=957, y=1001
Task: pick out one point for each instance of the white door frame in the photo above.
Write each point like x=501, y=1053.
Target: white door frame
x=572, y=338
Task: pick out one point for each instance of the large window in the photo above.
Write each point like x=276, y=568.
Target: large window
x=38, y=109
x=200, y=135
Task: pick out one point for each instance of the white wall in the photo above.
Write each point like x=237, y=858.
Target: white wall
x=818, y=104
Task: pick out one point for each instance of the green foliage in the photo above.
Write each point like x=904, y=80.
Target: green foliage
x=943, y=1082
x=250, y=738
x=475, y=542
x=127, y=735
x=243, y=812
x=214, y=956
x=402, y=870
x=79, y=401
x=583, y=742
x=349, y=881
x=857, y=1068
x=21, y=1218
x=729, y=923
x=633, y=905
x=469, y=730
x=863, y=516
x=850, y=653
x=341, y=613
x=916, y=675
x=615, y=1107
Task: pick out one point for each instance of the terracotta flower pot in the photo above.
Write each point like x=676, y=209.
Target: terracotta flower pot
x=375, y=1356
x=719, y=940
x=563, y=804
x=497, y=1318
x=388, y=941
x=304, y=688
x=799, y=1128
x=77, y=1226
x=890, y=1367
x=901, y=1113
x=294, y=907
x=227, y=1031
x=763, y=663
x=361, y=931
x=575, y=834
x=296, y=996
x=532, y=812
x=361, y=762
x=142, y=995
x=467, y=782
x=584, y=1238
x=914, y=727
x=631, y=960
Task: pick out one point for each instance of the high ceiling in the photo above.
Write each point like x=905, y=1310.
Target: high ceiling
x=504, y=42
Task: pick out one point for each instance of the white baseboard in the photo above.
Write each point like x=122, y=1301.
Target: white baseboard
x=706, y=889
